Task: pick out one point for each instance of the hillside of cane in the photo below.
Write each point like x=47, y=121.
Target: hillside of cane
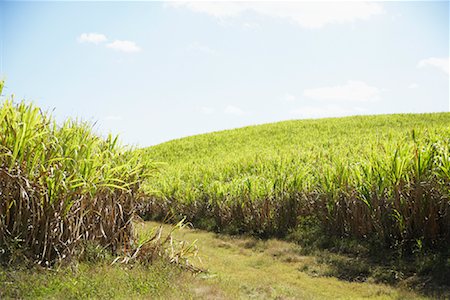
x=382, y=178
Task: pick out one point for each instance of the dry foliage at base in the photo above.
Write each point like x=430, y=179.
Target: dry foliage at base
x=154, y=244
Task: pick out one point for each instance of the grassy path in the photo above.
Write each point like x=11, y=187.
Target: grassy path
x=238, y=268
x=243, y=268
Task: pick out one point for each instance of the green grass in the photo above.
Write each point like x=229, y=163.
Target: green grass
x=95, y=281
x=236, y=268
x=384, y=178
x=244, y=267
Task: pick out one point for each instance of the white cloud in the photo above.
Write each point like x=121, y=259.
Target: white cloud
x=201, y=48
x=206, y=110
x=413, y=86
x=289, y=97
x=234, y=110
x=325, y=111
x=95, y=38
x=351, y=91
x=304, y=14
x=440, y=63
x=124, y=46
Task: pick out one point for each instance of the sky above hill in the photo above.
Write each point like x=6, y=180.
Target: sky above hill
x=155, y=71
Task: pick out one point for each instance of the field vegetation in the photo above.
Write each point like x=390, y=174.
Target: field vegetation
x=62, y=187
x=379, y=179
x=69, y=199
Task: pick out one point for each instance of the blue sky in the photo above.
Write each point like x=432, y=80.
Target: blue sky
x=155, y=71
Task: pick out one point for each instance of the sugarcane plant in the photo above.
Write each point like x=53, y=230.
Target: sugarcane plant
x=62, y=186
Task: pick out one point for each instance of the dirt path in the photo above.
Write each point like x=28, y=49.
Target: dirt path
x=246, y=268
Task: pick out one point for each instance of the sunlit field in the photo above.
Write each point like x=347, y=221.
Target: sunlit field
x=380, y=178
x=336, y=190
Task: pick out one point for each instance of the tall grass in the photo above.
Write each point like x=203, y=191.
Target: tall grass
x=384, y=178
x=62, y=186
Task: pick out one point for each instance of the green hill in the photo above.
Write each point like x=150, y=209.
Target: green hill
x=385, y=177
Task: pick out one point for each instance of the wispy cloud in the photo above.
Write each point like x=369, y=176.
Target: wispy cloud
x=350, y=91
x=201, y=48
x=441, y=63
x=304, y=14
x=124, y=46
x=325, y=111
x=95, y=38
x=413, y=86
x=234, y=110
x=119, y=45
